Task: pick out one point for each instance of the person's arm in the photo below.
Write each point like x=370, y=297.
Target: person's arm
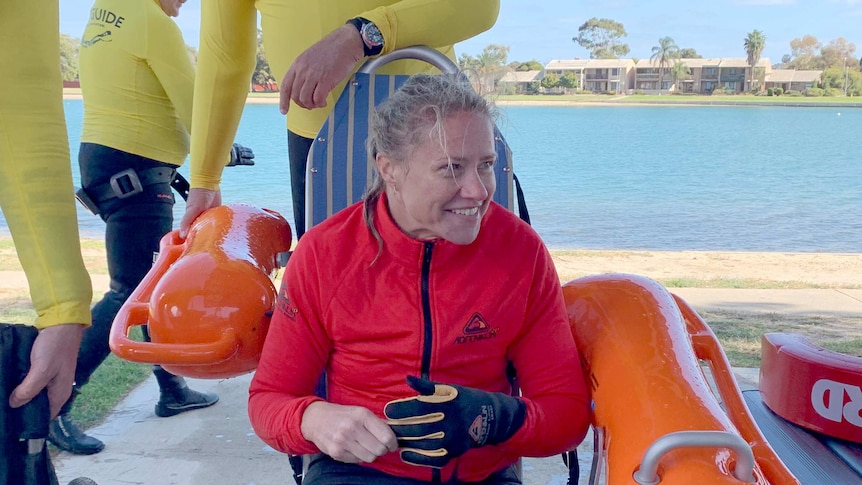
x=282, y=407
x=436, y=23
x=37, y=201
x=553, y=389
x=168, y=57
x=225, y=63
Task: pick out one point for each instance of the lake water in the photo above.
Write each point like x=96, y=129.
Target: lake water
x=636, y=177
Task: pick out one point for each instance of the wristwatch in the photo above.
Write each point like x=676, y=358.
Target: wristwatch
x=372, y=39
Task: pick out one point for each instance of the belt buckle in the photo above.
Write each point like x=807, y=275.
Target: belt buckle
x=126, y=175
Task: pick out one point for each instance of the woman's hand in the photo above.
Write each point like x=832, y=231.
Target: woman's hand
x=350, y=434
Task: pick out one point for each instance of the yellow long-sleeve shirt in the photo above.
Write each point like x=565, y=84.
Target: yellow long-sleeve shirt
x=229, y=39
x=137, y=81
x=36, y=191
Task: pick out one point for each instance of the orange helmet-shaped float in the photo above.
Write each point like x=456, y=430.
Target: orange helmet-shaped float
x=207, y=300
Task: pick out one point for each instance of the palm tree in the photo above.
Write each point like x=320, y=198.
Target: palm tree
x=755, y=41
x=679, y=71
x=663, y=54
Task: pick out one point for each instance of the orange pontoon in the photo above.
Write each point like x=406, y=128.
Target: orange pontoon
x=656, y=418
x=207, y=300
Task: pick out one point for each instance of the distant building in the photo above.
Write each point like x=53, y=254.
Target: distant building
x=704, y=75
x=792, y=80
x=597, y=75
x=519, y=82
x=731, y=74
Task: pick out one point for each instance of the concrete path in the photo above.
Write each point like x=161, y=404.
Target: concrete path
x=218, y=446
x=843, y=302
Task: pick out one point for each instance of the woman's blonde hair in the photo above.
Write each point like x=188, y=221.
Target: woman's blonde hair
x=412, y=113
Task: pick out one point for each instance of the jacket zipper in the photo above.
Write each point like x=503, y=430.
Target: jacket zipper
x=428, y=330
x=426, y=311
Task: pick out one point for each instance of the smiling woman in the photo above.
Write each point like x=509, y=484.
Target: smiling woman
x=418, y=264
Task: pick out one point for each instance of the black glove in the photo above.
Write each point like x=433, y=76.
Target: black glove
x=240, y=155
x=445, y=421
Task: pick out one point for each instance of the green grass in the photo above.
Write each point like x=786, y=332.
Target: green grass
x=740, y=333
x=736, y=283
x=111, y=382
x=851, y=346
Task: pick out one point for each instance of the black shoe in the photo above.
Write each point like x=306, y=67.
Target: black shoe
x=179, y=400
x=67, y=436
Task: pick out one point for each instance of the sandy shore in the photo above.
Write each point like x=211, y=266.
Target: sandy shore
x=821, y=269
x=828, y=270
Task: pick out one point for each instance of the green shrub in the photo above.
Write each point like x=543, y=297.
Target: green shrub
x=770, y=92
x=779, y=91
x=834, y=92
x=794, y=93
x=814, y=92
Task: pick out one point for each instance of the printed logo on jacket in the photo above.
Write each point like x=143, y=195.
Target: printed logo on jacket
x=284, y=305
x=102, y=18
x=477, y=329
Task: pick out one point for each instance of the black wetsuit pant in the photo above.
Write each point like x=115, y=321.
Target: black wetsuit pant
x=297, y=150
x=323, y=470
x=134, y=227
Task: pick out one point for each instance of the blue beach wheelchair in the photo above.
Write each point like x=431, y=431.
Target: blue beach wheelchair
x=339, y=169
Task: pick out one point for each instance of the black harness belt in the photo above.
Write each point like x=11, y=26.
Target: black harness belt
x=124, y=184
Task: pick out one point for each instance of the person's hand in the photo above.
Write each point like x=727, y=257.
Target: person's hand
x=199, y=200
x=52, y=365
x=240, y=155
x=350, y=434
x=444, y=421
x=316, y=72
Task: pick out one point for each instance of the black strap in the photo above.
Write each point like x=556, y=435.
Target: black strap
x=130, y=182
x=296, y=465
x=181, y=185
x=522, y=203
x=570, y=459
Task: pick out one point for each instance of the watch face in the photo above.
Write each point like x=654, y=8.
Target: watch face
x=371, y=35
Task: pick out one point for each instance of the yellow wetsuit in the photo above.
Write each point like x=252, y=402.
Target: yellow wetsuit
x=289, y=27
x=137, y=81
x=36, y=192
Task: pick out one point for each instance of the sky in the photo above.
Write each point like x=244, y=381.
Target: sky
x=544, y=30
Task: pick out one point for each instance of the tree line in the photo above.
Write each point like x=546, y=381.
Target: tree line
x=603, y=39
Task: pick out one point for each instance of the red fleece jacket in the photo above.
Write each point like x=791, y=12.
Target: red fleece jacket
x=473, y=309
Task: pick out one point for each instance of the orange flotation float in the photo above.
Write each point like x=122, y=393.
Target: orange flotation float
x=812, y=387
x=207, y=301
x=655, y=417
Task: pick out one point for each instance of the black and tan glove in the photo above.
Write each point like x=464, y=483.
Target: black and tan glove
x=444, y=421
x=240, y=155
